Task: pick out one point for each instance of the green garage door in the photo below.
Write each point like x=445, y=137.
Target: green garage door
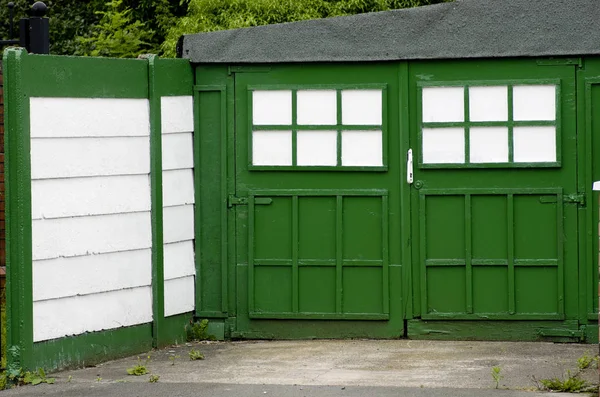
x=317, y=202
x=494, y=193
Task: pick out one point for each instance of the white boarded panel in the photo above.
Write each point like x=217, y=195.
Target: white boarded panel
x=488, y=145
x=272, y=148
x=53, y=238
x=90, y=274
x=177, y=114
x=177, y=151
x=317, y=107
x=316, y=148
x=362, y=148
x=179, y=296
x=534, y=144
x=443, y=145
x=179, y=260
x=534, y=102
x=79, y=314
x=59, y=198
x=362, y=107
x=88, y=117
x=178, y=187
x=488, y=103
x=63, y=157
x=272, y=107
x=178, y=223
x=443, y=104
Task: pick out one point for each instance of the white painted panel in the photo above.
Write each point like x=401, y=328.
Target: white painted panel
x=90, y=274
x=443, y=104
x=178, y=223
x=60, y=198
x=65, y=237
x=316, y=148
x=88, y=117
x=534, y=102
x=78, y=314
x=272, y=148
x=179, y=296
x=443, y=145
x=177, y=114
x=64, y=157
x=488, y=103
x=362, y=148
x=178, y=187
x=272, y=107
x=316, y=107
x=534, y=144
x=362, y=107
x=177, y=151
x=488, y=145
x=179, y=260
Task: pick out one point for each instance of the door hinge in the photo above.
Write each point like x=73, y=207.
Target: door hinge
x=560, y=62
x=578, y=334
x=578, y=198
x=232, y=200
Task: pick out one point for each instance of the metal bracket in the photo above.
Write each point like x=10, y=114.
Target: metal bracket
x=564, y=333
x=578, y=198
x=232, y=200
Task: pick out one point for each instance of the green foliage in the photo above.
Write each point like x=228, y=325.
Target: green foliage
x=198, y=331
x=569, y=384
x=212, y=15
x=34, y=378
x=173, y=358
x=196, y=355
x=140, y=368
x=116, y=35
x=586, y=360
x=154, y=378
x=496, y=375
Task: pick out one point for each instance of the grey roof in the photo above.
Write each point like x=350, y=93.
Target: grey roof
x=462, y=29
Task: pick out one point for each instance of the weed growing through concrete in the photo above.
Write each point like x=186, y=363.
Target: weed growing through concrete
x=586, y=360
x=154, y=378
x=571, y=383
x=198, y=330
x=70, y=378
x=139, y=369
x=196, y=355
x=496, y=375
x=173, y=358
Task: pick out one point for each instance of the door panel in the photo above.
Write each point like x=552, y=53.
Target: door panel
x=322, y=216
x=495, y=175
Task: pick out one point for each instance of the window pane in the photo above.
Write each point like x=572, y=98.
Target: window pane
x=361, y=107
x=362, y=148
x=534, y=144
x=272, y=148
x=317, y=107
x=272, y=107
x=534, y=102
x=488, y=145
x=443, y=104
x=443, y=145
x=488, y=103
x=317, y=147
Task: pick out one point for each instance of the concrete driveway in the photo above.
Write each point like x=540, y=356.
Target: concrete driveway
x=330, y=368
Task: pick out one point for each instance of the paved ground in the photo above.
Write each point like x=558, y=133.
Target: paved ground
x=329, y=369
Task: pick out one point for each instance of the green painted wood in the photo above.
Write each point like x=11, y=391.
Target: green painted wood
x=19, y=297
x=540, y=280
x=52, y=76
x=158, y=274
x=210, y=157
x=327, y=233
x=93, y=348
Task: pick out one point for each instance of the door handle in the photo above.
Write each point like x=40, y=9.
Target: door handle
x=409, y=167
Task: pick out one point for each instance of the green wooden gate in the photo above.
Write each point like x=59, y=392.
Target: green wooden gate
x=494, y=217
x=392, y=199
x=318, y=228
